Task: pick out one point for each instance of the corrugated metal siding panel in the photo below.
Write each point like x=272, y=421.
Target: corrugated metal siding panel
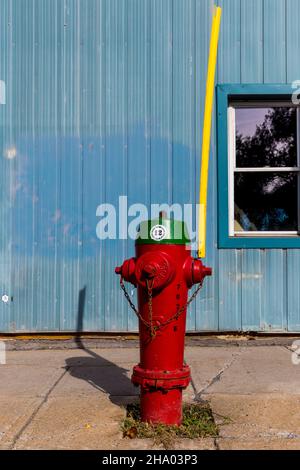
x=274, y=309
x=251, y=289
x=161, y=100
x=229, y=71
x=139, y=107
x=45, y=134
x=92, y=47
x=229, y=59
x=293, y=39
x=275, y=41
x=116, y=155
x=107, y=100
x=6, y=172
x=293, y=256
x=24, y=138
x=71, y=167
x=183, y=105
x=251, y=41
x=274, y=315
x=252, y=54
x=230, y=314
x=207, y=302
x=293, y=283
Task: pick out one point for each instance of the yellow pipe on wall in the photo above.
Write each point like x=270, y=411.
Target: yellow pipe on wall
x=210, y=85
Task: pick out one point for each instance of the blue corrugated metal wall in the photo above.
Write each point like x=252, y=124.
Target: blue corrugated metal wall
x=105, y=98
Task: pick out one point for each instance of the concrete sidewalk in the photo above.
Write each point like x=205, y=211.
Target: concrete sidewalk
x=74, y=399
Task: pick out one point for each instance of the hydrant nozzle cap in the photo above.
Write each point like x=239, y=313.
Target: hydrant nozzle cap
x=150, y=270
x=207, y=271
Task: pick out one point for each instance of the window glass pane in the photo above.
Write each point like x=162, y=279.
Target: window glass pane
x=266, y=137
x=265, y=201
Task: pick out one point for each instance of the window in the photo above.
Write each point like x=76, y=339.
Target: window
x=263, y=167
x=258, y=165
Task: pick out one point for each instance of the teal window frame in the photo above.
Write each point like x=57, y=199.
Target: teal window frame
x=225, y=93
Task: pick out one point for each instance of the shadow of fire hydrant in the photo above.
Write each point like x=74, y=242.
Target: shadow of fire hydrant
x=99, y=372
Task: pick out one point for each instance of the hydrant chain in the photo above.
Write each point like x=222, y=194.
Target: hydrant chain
x=153, y=329
x=127, y=297
x=149, y=283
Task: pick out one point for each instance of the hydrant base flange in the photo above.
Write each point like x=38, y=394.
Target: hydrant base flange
x=163, y=380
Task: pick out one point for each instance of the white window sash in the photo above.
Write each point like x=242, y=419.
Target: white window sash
x=266, y=169
x=265, y=233
x=231, y=166
x=232, y=169
x=298, y=163
x=262, y=104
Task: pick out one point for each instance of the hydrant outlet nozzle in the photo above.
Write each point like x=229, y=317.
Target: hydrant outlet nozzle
x=207, y=271
x=195, y=271
x=127, y=270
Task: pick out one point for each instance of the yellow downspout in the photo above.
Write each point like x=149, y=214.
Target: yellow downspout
x=210, y=85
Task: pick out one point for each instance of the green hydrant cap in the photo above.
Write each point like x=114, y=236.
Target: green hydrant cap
x=163, y=231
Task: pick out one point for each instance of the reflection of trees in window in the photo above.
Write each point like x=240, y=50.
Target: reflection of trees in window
x=267, y=201
x=274, y=141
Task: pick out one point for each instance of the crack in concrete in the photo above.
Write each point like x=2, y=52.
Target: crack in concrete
x=288, y=348
x=194, y=387
x=35, y=412
x=216, y=444
x=217, y=377
x=291, y=352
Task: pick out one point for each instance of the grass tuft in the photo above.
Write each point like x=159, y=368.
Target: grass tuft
x=198, y=421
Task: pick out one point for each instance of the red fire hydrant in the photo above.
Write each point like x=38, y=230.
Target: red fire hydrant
x=163, y=271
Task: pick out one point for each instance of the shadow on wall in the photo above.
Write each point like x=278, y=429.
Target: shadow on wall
x=99, y=372
x=58, y=183
x=52, y=187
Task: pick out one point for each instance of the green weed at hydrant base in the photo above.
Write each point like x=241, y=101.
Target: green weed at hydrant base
x=198, y=421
